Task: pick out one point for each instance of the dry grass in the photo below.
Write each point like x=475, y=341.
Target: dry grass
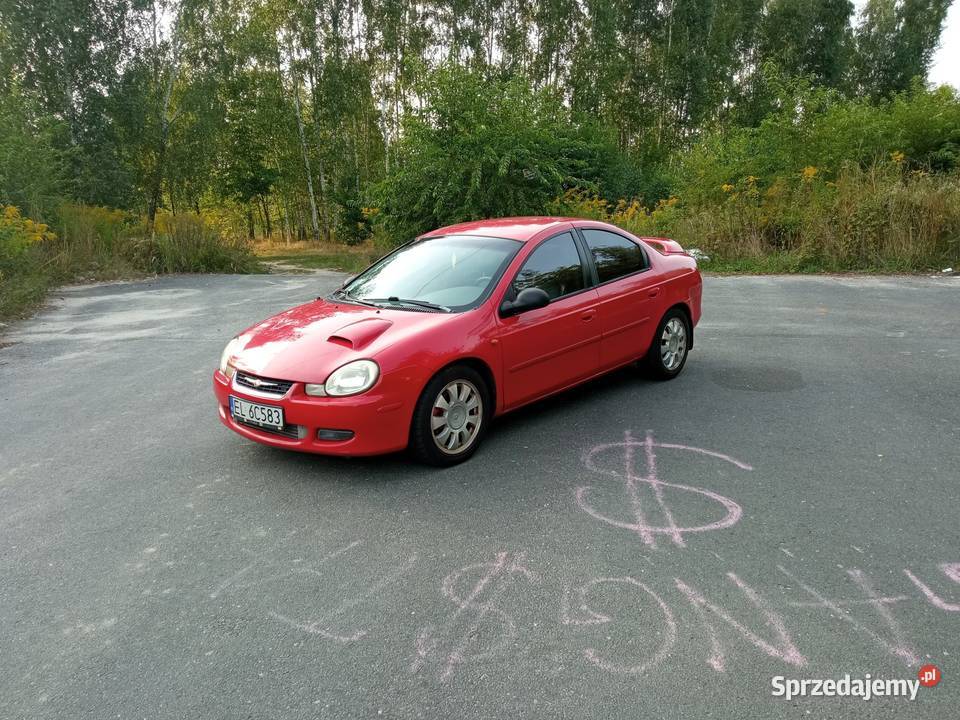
x=329, y=256
x=880, y=218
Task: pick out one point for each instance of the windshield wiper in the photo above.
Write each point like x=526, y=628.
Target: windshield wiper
x=342, y=295
x=406, y=301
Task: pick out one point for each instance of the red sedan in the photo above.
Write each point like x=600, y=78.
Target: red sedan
x=429, y=344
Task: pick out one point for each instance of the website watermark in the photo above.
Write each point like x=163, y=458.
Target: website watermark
x=866, y=687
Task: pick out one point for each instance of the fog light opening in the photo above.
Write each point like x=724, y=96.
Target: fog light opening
x=328, y=434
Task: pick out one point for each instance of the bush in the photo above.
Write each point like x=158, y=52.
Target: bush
x=32, y=170
x=187, y=243
x=92, y=241
x=817, y=128
x=884, y=217
x=631, y=215
x=353, y=221
x=18, y=233
x=24, y=277
x=490, y=148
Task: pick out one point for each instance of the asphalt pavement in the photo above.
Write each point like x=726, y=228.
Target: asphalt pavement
x=789, y=506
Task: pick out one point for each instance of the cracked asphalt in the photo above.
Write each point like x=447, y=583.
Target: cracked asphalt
x=789, y=506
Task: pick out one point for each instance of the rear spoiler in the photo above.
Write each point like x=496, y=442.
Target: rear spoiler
x=665, y=246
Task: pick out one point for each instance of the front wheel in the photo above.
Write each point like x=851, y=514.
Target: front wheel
x=668, y=351
x=450, y=417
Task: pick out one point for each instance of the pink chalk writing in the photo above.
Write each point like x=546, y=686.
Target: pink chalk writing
x=783, y=648
x=633, y=482
x=322, y=626
x=591, y=617
x=952, y=571
x=479, y=605
x=898, y=647
x=233, y=583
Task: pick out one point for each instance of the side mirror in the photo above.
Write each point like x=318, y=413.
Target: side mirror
x=528, y=299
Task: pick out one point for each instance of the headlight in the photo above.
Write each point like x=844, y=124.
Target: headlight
x=228, y=352
x=351, y=379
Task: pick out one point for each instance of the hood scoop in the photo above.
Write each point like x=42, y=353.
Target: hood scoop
x=359, y=334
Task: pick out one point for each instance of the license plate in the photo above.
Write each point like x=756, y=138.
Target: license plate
x=264, y=415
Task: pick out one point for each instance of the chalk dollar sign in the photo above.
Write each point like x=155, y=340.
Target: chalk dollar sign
x=634, y=482
x=478, y=605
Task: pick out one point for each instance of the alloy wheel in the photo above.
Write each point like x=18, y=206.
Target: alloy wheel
x=456, y=416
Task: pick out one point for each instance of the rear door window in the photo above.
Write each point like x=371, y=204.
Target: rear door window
x=614, y=255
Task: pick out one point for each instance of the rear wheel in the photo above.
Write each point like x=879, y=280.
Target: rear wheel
x=668, y=351
x=450, y=417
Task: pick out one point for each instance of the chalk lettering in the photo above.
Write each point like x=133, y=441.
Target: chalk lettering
x=783, y=648
x=479, y=606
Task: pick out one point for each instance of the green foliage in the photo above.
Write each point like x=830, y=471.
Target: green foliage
x=895, y=43
x=489, y=148
x=186, y=243
x=808, y=38
x=881, y=217
x=352, y=119
x=817, y=128
x=353, y=223
x=32, y=170
x=112, y=243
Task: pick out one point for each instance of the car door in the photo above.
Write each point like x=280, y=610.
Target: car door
x=549, y=348
x=627, y=291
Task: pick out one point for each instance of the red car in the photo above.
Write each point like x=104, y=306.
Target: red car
x=430, y=343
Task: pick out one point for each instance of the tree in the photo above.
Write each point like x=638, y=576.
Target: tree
x=487, y=148
x=895, y=42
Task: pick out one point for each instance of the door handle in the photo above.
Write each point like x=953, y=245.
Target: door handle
x=588, y=315
x=653, y=293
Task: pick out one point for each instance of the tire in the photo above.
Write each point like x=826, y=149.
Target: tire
x=669, y=350
x=444, y=436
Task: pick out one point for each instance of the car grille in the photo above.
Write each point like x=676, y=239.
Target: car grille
x=267, y=386
x=288, y=431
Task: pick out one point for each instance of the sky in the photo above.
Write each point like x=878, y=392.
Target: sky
x=946, y=63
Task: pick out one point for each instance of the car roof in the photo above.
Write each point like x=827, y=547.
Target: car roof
x=514, y=228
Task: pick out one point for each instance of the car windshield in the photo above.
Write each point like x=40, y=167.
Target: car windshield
x=442, y=274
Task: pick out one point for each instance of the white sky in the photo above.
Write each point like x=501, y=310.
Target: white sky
x=946, y=63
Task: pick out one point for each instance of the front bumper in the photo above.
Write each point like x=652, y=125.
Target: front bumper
x=379, y=418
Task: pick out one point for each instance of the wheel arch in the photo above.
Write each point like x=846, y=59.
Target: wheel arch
x=477, y=365
x=485, y=371
x=481, y=367
x=685, y=309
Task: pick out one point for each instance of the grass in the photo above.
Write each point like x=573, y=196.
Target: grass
x=794, y=264
x=882, y=218
x=321, y=256
x=21, y=293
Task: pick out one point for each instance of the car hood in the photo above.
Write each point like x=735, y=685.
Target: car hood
x=308, y=342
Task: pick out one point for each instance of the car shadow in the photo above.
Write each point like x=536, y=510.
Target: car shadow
x=402, y=467
x=588, y=395
x=376, y=469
